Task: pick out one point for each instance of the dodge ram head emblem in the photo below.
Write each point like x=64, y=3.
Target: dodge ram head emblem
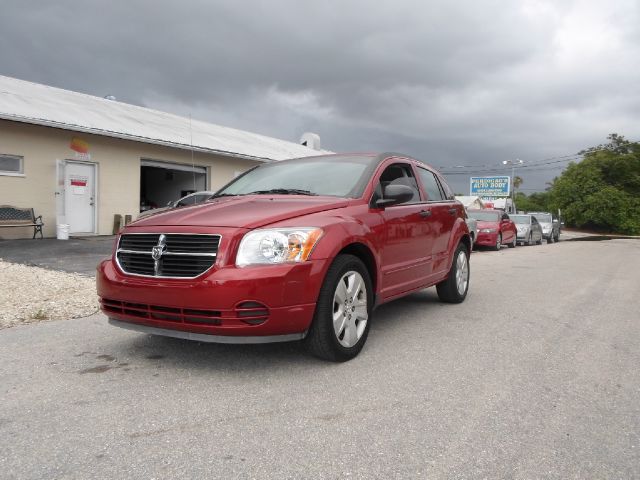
x=156, y=253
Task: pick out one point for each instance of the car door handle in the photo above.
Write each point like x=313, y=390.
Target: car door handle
x=453, y=211
x=425, y=213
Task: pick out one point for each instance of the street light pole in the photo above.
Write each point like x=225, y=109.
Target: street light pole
x=513, y=164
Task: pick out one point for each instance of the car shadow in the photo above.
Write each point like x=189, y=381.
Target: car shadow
x=157, y=352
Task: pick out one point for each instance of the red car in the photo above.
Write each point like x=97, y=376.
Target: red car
x=299, y=249
x=495, y=228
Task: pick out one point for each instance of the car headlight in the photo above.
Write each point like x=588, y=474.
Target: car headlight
x=277, y=245
x=488, y=230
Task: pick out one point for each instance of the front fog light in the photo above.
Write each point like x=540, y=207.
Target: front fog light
x=274, y=246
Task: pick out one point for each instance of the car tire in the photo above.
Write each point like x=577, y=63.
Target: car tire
x=498, y=244
x=336, y=335
x=514, y=243
x=556, y=238
x=550, y=239
x=530, y=240
x=454, y=289
x=539, y=242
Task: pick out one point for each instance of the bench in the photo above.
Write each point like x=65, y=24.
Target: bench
x=20, y=217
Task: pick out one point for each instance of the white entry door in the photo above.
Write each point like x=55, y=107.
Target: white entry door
x=80, y=196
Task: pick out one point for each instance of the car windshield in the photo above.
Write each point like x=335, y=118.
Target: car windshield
x=484, y=216
x=339, y=176
x=543, y=217
x=521, y=218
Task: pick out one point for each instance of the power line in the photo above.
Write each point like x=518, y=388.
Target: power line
x=493, y=167
x=496, y=169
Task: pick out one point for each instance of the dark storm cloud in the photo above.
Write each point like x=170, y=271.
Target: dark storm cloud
x=455, y=83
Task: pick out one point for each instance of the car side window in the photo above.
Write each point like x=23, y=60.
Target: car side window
x=431, y=185
x=397, y=174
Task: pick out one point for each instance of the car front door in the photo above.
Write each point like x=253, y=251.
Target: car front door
x=406, y=251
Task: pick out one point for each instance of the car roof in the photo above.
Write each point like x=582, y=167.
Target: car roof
x=376, y=158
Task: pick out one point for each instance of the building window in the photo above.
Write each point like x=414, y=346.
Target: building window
x=11, y=165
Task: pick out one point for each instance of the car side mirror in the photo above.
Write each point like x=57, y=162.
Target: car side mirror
x=395, y=194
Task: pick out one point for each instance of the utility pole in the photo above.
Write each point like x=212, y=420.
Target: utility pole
x=513, y=164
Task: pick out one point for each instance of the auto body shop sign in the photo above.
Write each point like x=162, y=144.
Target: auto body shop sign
x=490, y=186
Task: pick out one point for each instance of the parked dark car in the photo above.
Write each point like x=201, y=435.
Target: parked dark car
x=300, y=249
x=495, y=228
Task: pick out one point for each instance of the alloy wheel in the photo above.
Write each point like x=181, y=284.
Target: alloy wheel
x=462, y=272
x=350, y=313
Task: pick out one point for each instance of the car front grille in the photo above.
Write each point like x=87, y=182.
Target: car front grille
x=246, y=313
x=170, y=255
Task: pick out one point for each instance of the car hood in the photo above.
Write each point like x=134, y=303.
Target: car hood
x=546, y=224
x=247, y=211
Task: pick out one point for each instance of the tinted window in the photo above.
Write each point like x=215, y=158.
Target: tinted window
x=522, y=219
x=542, y=217
x=431, y=185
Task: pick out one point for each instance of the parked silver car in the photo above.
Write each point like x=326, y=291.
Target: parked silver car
x=529, y=229
x=191, y=199
x=472, y=225
x=550, y=226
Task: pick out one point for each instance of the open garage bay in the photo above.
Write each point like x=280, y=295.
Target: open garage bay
x=534, y=376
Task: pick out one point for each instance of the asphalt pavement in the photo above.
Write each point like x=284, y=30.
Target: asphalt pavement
x=76, y=255
x=535, y=375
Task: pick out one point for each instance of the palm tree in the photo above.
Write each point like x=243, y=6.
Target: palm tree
x=517, y=181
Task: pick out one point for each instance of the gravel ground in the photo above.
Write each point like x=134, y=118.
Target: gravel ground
x=32, y=294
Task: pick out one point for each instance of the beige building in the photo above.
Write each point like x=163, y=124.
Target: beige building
x=79, y=160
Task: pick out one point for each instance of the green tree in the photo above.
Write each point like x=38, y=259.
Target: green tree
x=602, y=192
x=536, y=202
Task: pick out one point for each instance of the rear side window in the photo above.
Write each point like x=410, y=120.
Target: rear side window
x=431, y=185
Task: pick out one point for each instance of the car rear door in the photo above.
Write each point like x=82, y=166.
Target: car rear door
x=442, y=218
x=507, y=228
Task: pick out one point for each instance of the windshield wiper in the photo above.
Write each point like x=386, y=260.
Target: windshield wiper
x=282, y=191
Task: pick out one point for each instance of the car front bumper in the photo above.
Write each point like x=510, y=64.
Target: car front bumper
x=487, y=239
x=226, y=305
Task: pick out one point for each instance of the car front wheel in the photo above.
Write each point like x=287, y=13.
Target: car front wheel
x=341, y=322
x=454, y=289
x=498, y=242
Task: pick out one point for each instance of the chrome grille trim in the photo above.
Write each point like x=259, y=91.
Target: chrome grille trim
x=137, y=257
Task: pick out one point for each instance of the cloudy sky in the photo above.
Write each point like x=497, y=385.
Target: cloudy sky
x=468, y=83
